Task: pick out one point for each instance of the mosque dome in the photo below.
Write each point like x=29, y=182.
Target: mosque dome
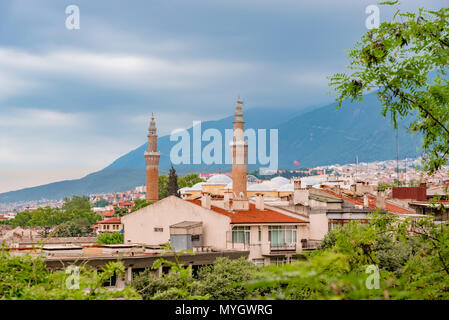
x=228, y=186
x=196, y=187
x=264, y=186
x=183, y=190
x=287, y=187
x=280, y=181
x=219, y=179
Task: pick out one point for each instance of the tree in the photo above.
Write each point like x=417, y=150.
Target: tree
x=27, y=278
x=410, y=255
x=172, y=187
x=101, y=203
x=120, y=211
x=163, y=186
x=139, y=204
x=74, y=219
x=189, y=180
x=177, y=285
x=76, y=203
x=71, y=229
x=406, y=61
x=110, y=238
x=225, y=279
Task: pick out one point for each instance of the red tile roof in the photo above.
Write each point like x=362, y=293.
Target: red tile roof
x=125, y=204
x=371, y=203
x=253, y=215
x=110, y=220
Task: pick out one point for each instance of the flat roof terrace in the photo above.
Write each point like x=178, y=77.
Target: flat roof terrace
x=142, y=260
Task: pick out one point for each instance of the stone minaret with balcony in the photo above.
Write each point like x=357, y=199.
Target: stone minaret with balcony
x=152, y=164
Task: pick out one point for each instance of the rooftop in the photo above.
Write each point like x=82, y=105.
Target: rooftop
x=371, y=202
x=110, y=220
x=253, y=215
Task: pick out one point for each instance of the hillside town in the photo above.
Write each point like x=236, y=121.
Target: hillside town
x=233, y=215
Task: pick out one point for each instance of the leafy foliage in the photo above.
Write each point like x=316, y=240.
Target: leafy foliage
x=177, y=285
x=406, y=61
x=411, y=256
x=27, y=278
x=225, y=279
x=72, y=220
x=167, y=188
x=101, y=203
x=189, y=180
x=120, y=211
x=139, y=204
x=172, y=187
x=110, y=238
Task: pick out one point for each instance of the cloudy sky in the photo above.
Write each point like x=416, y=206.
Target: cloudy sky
x=72, y=101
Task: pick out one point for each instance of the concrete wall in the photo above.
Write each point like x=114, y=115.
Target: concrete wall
x=318, y=227
x=139, y=225
x=181, y=241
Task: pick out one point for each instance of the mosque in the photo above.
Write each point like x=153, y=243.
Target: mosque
x=273, y=221
x=275, y=189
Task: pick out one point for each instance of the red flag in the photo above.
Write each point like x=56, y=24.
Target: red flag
x=296, y=162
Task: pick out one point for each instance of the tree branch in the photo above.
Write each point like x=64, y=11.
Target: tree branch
x=428, y=113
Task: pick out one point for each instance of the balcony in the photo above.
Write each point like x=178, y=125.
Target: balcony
x=310, y=244
x=283, y=247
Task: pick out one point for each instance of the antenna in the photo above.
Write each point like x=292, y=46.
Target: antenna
x=397, y=154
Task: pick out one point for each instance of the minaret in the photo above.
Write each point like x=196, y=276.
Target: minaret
x=152, y=162
x=239, y=151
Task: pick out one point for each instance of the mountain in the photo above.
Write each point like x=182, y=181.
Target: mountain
x=321, y=136
x=330, y=136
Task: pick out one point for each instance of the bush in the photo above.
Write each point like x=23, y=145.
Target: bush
x=110, y=238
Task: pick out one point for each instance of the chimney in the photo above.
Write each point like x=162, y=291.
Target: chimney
x=380, y=200
x=205, y=201
x=353, y=188
x=259, y=201
x=338, y=189
x=301, y=196
x=227, y=200
x=365, y=201
x=297, y=184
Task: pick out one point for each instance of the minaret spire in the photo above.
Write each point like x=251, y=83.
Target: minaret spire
x=239, y=150
x=152, y=161
x=152, y=128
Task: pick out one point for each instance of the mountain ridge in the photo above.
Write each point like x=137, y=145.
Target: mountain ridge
x=321, y=136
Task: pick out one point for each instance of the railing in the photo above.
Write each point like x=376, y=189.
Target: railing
x=283, y=247
x=310, y=244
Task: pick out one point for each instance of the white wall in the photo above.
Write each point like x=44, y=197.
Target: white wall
x=139, y=225
x=318, y=226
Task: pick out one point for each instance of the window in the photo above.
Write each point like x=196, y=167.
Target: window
x=111, y=282
x=196, y=237
x=158, y=229
x=240, y=234
x=260, y=234
x=278, y=260
x=259, y=262
x=282, y=236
